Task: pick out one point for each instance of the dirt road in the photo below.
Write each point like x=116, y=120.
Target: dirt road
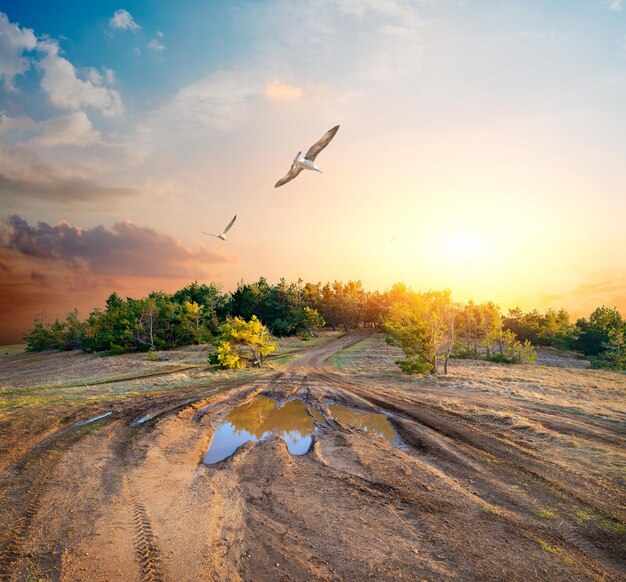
x=452, y=498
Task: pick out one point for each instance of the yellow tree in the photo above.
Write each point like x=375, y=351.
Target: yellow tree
x=239, y=339
x=193, y=312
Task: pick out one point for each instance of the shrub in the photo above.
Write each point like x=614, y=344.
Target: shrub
x=499, y=358
x=243, y=340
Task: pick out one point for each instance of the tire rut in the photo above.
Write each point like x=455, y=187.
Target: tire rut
x=36, y=467
x=18, y=533
x=146, y=546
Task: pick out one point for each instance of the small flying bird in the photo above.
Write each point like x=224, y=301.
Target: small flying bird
x=307, y=162
x=223, y=235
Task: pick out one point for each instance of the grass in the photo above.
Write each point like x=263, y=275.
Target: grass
x=12, y=349
x=545, y=514
x=614, y=526
x=346, y=357
x=546, y=547
x=582, y=517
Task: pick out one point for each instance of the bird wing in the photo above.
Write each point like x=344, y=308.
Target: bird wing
x=291, y=174
x=230, y=224
x=210, y=233
x=318, y=146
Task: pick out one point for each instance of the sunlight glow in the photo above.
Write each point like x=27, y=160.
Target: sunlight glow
x=465, y=246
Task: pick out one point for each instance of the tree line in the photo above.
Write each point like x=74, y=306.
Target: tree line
x=428, y=326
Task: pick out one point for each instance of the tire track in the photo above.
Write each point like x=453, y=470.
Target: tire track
x=146, y=547
x=18, y=533
x=35, y=467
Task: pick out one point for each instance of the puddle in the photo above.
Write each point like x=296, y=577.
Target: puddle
x=84, y=422
x=143, y=419
x=257, y=420
x=317, y=415
x=371, y=422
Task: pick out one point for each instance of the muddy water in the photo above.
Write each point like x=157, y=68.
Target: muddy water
x=317, y=415
x=371, y=422
x=257, y=420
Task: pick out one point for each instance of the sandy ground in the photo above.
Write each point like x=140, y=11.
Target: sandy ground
x=500, y=473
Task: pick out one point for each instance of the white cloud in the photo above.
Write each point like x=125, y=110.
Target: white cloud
x=16, y=124
x=157, y=46
x=123, y=20
x=92, y=75
x=73, y=129
x=67, y=91
x=13, y=42
x=220, y=101
x=109, y=75
x=159, y=34
x=615, y=5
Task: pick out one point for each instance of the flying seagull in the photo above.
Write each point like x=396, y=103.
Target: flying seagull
x=223, y=235
x=307, y=162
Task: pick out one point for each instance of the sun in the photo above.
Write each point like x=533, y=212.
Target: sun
x=465, y=246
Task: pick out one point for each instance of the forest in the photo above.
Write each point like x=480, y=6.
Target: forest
x=429, y=326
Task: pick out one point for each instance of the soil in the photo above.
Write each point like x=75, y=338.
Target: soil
x=501, y=473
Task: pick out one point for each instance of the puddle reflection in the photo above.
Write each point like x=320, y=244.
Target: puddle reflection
x=371, y=422
x=258, y=419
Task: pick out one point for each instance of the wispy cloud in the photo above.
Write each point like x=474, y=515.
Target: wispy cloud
x=123, y=20
x=615, y=5
x=53, y=183
x=156, y=46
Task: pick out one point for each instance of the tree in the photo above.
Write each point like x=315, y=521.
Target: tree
x=209, y=298
x=602, y=337
x=73, y=331
x=550, y=329
x=312, y=321
x=490, y=327
x=39, y=338
x=423, y=326
x=240, y=339
x=193, y=311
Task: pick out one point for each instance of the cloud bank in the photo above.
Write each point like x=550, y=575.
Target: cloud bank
x=126, y=249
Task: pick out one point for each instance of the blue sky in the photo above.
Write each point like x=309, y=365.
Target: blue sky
x=489, y=137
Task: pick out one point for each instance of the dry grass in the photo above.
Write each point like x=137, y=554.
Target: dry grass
x=63, y=381
x=553, y=384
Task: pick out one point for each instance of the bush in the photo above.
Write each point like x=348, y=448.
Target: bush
x=414, y=366
x=241, y=340
x=499, y=358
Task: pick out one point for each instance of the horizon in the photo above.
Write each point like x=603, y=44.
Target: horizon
x=481, y=149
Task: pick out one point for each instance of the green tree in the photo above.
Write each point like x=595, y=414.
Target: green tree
x=39, y=338
x=312, y=321
x=423, y=326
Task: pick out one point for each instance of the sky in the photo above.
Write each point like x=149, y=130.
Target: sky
x=482, y=148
